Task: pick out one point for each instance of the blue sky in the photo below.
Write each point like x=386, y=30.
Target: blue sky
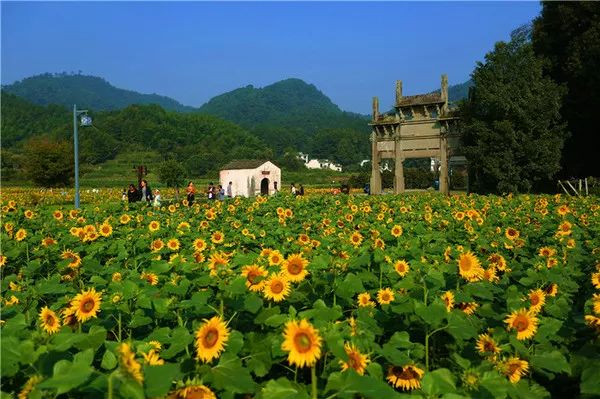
x=192, y=51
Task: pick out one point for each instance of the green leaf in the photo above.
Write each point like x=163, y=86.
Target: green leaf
x=252, y=303
x=93, y=339
x=159, y=267
x=283, y=388
x=276, y=320
x=460, y=326
x=590, y=379
x=438, y=382
x=66, y=375
x=351, y=285
x=109, y=360
x=553, y=361
x=349, y=383
x=9, y=361
x=432, y=314
x=230, y=375
x=158, y=379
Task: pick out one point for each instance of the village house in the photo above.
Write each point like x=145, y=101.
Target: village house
x=251, y=177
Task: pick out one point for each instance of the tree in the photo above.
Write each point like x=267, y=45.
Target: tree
x=172, y=173
x=48, y=162
x=512, y=132
x=567, y=37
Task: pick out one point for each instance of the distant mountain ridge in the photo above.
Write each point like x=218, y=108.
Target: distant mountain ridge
x=85, y=91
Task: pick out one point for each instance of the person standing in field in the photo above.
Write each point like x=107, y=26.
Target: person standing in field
x=211, y=191
x=221, y=193
x=301, y=190
x=230, y=190
x=293, y=189
x=145, y=192
x=156, y=202
x=132, y=194
x=191, y=193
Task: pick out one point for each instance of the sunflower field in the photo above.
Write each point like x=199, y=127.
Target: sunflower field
x=321, y=296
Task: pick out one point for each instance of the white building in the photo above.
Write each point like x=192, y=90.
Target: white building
x=251, y=177
x=323, y=164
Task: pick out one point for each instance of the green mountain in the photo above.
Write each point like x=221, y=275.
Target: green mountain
x=292, y=114
x=85, y=91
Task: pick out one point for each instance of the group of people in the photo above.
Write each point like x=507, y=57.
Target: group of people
x=142, y=193
x=297, y=191
x=219, y=192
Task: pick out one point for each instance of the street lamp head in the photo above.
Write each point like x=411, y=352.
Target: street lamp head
x=86, y=120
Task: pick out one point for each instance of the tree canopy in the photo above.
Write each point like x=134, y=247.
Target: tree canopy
x=512, y=129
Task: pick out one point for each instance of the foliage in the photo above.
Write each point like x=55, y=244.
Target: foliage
x=512, y=131
x=172, y=173
x=567, y=37
x=48, y=162
x=86, y=91
x=143, y=337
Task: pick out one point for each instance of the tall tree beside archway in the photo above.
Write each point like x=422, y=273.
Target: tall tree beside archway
x=512, y=129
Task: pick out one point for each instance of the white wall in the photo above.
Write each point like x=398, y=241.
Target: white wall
x=242, y=179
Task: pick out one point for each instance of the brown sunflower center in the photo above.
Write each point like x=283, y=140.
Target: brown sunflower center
x=354, y=360
x=294, y=267
x=210, y=338
x=521, y=323
x=50, y=321
x=535, y=299
x=488, y=346
x=408, y=374
x=252, y=275
x=465, y=264
x=276, y=287
x=87, y=305
x=302, y=342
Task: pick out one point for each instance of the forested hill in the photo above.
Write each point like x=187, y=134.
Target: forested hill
x=290, y=102
x=85, y=91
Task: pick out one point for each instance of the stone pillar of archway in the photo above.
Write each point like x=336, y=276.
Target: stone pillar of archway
x=399, y=164
x=375, y=160
x=444, y=186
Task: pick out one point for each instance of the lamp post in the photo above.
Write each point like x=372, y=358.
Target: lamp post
x=85, y=121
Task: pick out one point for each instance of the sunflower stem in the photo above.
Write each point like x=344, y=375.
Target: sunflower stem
x=221, y=306
x=427, y=351
x=120, y=328
x=380, y=276
x=110, y=386
x=313, y=381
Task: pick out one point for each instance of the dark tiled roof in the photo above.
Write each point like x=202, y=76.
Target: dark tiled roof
x=420, y=99
x=244, y=164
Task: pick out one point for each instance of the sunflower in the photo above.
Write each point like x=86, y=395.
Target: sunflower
x=563, y=210
x=20, y=235
x=48, y=241
x=596, y=303
x=277, y=287
x=593, y=322
x=193, y=392
x=157, y=245
x=303, y=343
x=524, y=322
x=406, y=377
x=173, y=244
x=105, y=229
x=294, y=268
x=469, y=267
x=2, y=260
x=129, y=364
x=364, y=300
x=75, y=259
x=152, y=359
x=537, y=298
x=468, y=307
x=514, y=368
x=50, y=322
x=379, y=244
x=254, y=277
x=564, y=229
x=28, y=214
x=199, y=245
x=402, y=267
x=397, y=231
x=487, y=345
x=124, y=219
x=356, y=239
x=58, y=215
x=385, y=296
x=546, y=252
x=151, y=278
x=29, y=386
x=217, y=237
x=217, y=260
x=86, y=304
x=551, y=290
x=275, y=258
x=356, y=360
x=211, y=339
x=303, y=239
x=596, y=280
x=448, y=298
x=511, y=233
